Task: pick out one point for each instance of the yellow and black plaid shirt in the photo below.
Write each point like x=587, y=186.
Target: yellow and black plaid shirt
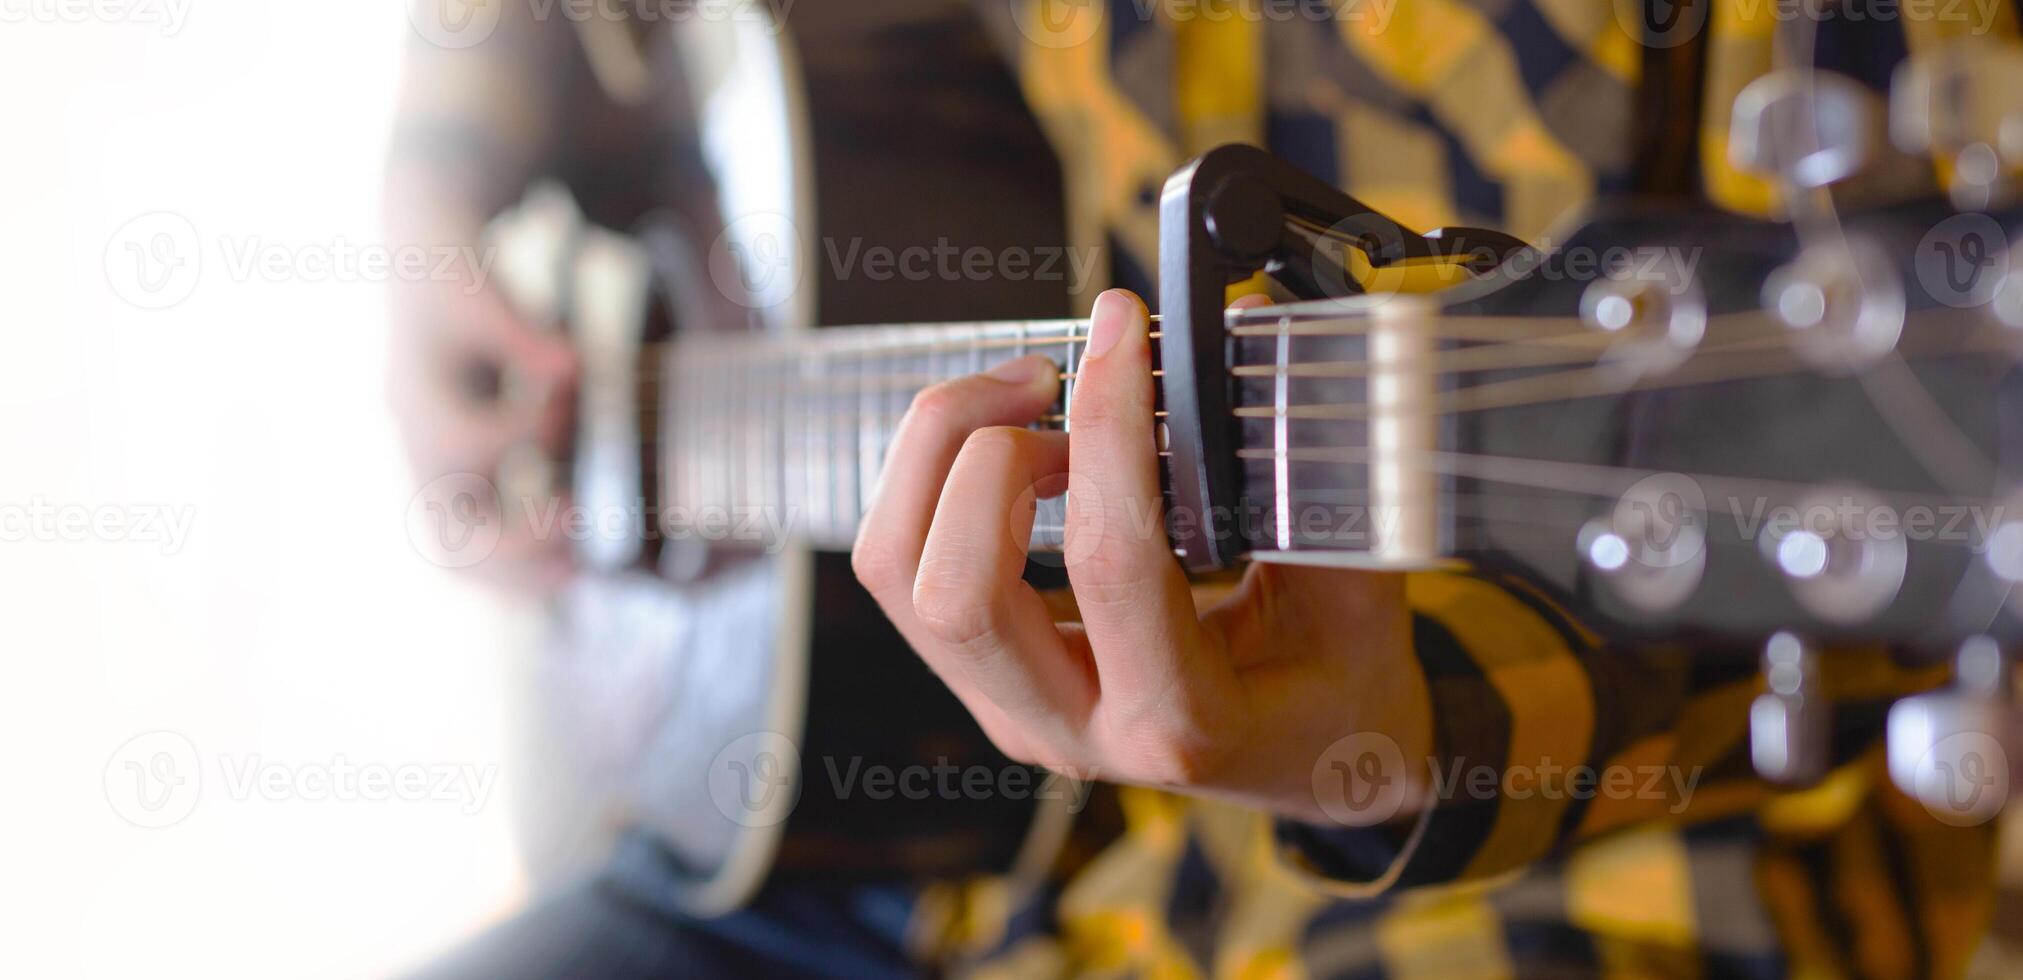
x=1512, y=114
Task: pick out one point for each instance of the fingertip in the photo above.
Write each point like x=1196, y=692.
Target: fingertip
x=1117, y=311
x=1037, y=370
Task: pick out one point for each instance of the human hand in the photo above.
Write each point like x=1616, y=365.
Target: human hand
x=486, y=399
x=1239, y=701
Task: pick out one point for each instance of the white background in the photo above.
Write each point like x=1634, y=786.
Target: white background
x=297, y=625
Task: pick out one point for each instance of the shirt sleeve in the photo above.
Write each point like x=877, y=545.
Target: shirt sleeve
x=1546, y=736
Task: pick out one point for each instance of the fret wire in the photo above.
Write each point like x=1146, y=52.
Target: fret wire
x=1281, y=467
x=847, y=465
x=1068, y=373
x=792, y=476
x=870, y=419
x=776, y=480
x=711, y=470
x=753, y=430
x=674, y=450
x=818, y=448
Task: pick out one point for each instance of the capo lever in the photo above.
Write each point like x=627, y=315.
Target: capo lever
x=1227, y=215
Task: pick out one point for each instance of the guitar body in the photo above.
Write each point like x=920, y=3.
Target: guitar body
x=744, y=707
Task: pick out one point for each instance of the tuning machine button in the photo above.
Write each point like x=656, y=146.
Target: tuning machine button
x=1951, y=749
x=1788, y=723
x=1964, y=103
x=1651, y=549
x=1807, y=128
x=1842, y=301
x=1842, y=554
x=1655, y=319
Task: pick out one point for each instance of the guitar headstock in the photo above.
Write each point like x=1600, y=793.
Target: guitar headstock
x=1689, y=426
x=1687, y=422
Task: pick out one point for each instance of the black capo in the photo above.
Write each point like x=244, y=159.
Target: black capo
x=1230, y=213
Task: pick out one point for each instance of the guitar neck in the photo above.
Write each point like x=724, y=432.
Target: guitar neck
x=769, y=435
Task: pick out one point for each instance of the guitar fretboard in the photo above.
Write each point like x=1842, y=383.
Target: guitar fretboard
x=770, y=434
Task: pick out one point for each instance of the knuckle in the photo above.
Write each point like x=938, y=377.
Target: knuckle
x=993, y=440
x=954, y=612
x=1180, y=762
x=1177, y=748
x=877, y=566
x=939, y=404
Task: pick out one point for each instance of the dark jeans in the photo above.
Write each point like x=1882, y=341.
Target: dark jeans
x=620, y=924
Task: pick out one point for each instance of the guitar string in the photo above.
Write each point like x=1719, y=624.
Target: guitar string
x=1513, y=396
x=1599, y=380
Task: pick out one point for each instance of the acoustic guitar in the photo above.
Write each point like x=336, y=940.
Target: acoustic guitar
x=1684, y=426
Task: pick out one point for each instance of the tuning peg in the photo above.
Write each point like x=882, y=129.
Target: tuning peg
x=1842, y=300
x=1788, y=734
x=1807, y=128
x=1951, y=749
x=1964, y=103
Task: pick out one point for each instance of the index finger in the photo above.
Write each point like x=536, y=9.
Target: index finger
x=1134, y=599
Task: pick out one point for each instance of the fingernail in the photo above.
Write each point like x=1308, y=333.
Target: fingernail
x=1023, y=370
x=1114, y=309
